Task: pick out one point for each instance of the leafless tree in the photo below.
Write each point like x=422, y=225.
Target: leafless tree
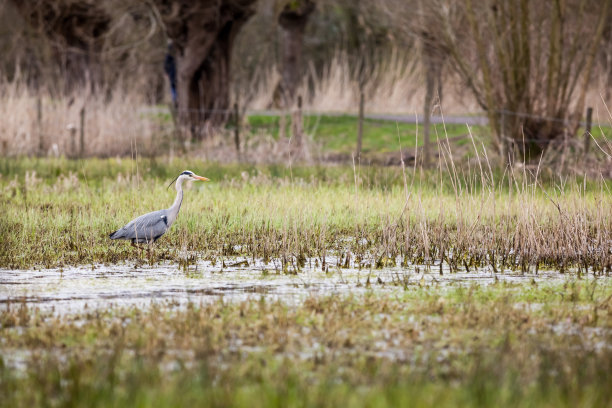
x=292, y=20
x=528, y=64
x=414, y=24
x=433, y=57
x=76, y=30
x=605, y=59
x=203, y=33
x=70, y=46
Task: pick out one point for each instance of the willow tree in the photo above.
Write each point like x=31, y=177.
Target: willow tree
x=528, y=64
x=75, y=30
x=605, y=61
x=203, y=34
x=417, y=27
x=292, y=19
x=433, y=55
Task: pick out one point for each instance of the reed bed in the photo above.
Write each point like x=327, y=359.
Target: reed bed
x=60, y=212
x=125, y=121
x=42, y=124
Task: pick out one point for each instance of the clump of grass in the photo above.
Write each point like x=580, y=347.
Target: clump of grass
x=61, y=215
x=499, y=345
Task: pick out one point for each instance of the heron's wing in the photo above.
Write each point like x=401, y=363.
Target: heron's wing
x=147, y=227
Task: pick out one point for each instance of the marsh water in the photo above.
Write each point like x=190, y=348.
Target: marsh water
x=75, y=289
x=81, y=291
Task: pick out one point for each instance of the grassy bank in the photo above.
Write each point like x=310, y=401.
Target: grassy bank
x=502, y=345
x=338, y=134
x=59, y=212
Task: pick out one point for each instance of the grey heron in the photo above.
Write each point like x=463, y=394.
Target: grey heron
x=149, y=227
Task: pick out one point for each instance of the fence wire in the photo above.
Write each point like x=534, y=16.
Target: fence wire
x=51, y=131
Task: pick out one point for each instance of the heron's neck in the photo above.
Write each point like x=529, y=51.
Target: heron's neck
x=176, y=206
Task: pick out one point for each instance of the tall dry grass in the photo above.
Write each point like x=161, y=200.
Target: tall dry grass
x=395, y=85
x=116, y=124
x=124, y=122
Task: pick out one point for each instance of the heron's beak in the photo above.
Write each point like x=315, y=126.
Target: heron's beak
x=200, y=178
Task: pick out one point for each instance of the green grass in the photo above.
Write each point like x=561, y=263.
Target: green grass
x=338, y=134
x=599, y=133
x=539, y=344
x=501, y=345
x=64, y=212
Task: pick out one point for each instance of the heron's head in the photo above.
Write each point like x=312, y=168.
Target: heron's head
x=188, y=175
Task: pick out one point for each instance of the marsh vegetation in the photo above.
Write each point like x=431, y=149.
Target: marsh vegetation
x=59, y=213
x=402, y=212
x=504, y=344
x=304, y=286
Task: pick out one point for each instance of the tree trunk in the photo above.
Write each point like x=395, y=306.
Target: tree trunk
x=433, y=59
x=203, y=34
x=292, y=20
x=607, y=63
x=214, y=78
x=187, y=96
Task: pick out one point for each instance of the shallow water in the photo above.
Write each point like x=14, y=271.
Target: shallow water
x=74, y=289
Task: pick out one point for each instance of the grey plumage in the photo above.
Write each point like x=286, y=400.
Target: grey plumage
x=149, y=227
x=144, y=229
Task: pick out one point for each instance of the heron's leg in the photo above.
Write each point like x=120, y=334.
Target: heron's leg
x=150, y=253
x=137, y=246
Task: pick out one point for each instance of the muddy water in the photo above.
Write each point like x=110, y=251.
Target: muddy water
x=75, y=289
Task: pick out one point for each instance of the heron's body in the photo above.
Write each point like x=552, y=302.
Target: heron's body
x=145, y=229
x=149, y=227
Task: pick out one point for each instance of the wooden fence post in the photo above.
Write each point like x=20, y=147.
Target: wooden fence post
x=82, y=130
x=587, y=130
x=237, y=130
x=39, y=126
x=72, y=132
x=502, y=142
x=430, y=84
x=360, y=122
x=297, y=126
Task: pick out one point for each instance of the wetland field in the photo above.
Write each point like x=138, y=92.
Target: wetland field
x=304, y=286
